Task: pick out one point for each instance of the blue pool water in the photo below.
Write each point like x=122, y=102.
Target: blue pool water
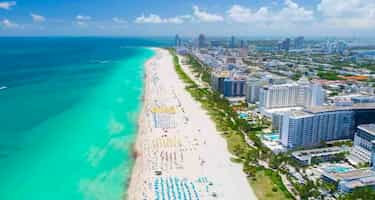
x=337, y=169
x=272, y=137
x=244, y=115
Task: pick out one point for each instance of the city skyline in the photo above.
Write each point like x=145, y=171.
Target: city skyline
x=354, y=18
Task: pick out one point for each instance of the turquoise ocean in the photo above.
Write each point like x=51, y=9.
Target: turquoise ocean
x=68, y=115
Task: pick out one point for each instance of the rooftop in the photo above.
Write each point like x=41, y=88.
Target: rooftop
x=320, y=109
x=352, y=175
x=306, y=154
x=369, y=128
x=360, y=106
x=361, y=182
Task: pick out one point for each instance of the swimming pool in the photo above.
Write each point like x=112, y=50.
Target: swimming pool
x=337, y=169
x=244, y=115
x=272, y=137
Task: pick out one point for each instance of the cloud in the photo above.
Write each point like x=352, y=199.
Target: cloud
x=204, y=16
x=37, y=18
x=156, y=19
x=290, y=13
x=8, y=24
x=348, y=13
x=119, y=20
x=7, y=5
x=242, y=14
x=83, y=18
x=294, y=13
x=81, y=23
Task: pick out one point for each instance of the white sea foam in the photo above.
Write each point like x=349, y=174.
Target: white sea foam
x=3, y=87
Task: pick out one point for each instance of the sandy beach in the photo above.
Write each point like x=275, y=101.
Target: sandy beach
x=179, y=153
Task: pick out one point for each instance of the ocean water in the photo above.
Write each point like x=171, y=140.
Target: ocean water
x=68, y=116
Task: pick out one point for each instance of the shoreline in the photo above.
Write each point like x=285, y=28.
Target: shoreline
x=176, y=152
x=136, y=147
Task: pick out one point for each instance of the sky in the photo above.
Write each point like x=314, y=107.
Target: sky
x=341, y=18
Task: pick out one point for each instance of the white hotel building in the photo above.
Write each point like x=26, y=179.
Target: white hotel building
x=291, y=95
x=314, y=125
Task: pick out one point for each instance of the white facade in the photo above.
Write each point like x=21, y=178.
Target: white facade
x=291, y=95
x=302, y=129
x=253, y=87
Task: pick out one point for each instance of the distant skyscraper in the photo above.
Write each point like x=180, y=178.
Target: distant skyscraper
x=299, y=42
x=216, y=43
x=177, y=41
x=201, y=41
x=232, y=43
x=284, y=44
x=338, y=47
x=341, y=47
x=242, y=44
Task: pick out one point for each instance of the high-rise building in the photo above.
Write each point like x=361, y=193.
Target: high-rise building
x=202, y=41
x=243, y=44
x=217, y=80
x=341, y=47
x=305, y=129
x=216, y=43
x=326, y=123
x=177, y=41
x=232, y=43
x=291, y=95
x=253, y=86
x=284, y=45
x=363, y=138
x=234, y=87
x=338, y=47
x=299, y=42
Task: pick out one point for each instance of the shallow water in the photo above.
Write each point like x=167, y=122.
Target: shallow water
x=68, y=116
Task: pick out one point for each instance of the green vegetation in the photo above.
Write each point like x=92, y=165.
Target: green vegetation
x=365, y=193
x=334, y=158
x=267, y=184
x=296, y=76
x=234, y=130
x=203, y=72
x=307, y=190
x=333, y=94
x=348, y=143
x=329, y=75
x=363, y=165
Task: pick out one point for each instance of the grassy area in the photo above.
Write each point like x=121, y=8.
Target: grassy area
x=265, y=189
x=332, y=76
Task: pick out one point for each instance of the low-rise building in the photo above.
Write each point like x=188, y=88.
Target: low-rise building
x=347, y=181
x=314, y=156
